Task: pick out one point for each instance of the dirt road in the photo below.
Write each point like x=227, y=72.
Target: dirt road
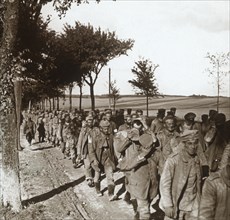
x=52, y=189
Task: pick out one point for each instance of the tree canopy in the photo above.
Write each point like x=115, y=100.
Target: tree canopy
x=144, y=82
x=93, y=49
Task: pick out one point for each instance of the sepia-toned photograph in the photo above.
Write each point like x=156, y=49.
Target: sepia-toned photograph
x=115, y=110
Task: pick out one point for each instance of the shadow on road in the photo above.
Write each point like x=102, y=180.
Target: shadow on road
x=42, y=148
x=52, y=193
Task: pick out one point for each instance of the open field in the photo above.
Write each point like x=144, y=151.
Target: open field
x=184, y=104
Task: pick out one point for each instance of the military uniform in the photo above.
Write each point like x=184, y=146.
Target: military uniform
x=180, y=186
x=167, y=145
x=102, y=157
x=215, y=199
x=140, y=171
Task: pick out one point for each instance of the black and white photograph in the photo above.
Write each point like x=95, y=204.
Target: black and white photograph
x=115, y=109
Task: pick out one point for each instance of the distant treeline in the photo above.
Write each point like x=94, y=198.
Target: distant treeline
x=134, y=96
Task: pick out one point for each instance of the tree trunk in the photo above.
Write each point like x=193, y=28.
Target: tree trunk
x=29, y=106
x=147, y=105
x=43, y=104
x=70, y=96
x=18, y=102
x=58, y=106
x=114, y=104
x=53, y=101
x=10, y=182
x=92, y=97
x=49, y=104
x=80, y=99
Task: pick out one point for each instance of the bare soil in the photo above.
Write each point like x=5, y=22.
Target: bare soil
x=52, y=189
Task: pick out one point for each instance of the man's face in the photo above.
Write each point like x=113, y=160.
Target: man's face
x=90, y=123
x=170, y=125
x=67, y=118
x=191, y=146
x=189, y=121
x=108, y=116
x=129, y=120
x=173, y=111
x=105, y=130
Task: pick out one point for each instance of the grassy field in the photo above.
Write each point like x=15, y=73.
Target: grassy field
x=184, y=104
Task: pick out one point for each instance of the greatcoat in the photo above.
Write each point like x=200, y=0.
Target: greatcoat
x=141, y=181
x=215, y=200
x=173, y=183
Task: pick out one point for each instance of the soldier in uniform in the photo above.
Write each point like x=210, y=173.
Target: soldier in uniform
x=180, y=183
x=67, y=136
x=139, y=167
x=41, y=128
x=85, y=138
x=127, y=125
x=157, y=123
x=55, y=122
x=217, y=143
x=112, y=126
x=204, y=124
x=215, y=199
x=29, y=130
x=139, y=113
x=50, y=127
x=190, y=123
x=102, y=157
x=167, y=141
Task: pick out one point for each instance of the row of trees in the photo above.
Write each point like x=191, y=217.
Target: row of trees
x=47, y=63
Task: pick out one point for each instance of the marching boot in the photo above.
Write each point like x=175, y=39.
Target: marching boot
x=97, y=187
x=127, y=198
x=111, y=193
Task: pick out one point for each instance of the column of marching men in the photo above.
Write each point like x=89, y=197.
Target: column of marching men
x=184, y=162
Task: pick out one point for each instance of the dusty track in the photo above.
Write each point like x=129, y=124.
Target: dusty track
x=51, y=181
x=52, y=189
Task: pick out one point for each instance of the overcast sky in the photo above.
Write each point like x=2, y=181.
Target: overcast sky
x=174, y=34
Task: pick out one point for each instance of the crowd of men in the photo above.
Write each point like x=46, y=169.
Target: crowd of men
x=184, y=161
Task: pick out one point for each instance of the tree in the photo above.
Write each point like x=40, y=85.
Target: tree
x=219, y=68
x=114, y=93
x=9, y=17
x=93, y=49
x=145, y=82
x=10, y=192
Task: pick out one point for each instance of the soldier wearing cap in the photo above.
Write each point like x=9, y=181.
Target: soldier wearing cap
x=112, y=126
x=215, y=199
x=127, y=125
x=190, y=123
x=68, y=140
x=41, y=128
x=218, y=140
x=120, y=119
x=29, y=130
x=167, y=141
x=82, y=148
x=173, y=110
x=139, y=113
x=102, y=157
x=204, y=124
x=139, y=167
x=180, y=183
x=157, y=123
x=211, y=117
x=50, y=127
